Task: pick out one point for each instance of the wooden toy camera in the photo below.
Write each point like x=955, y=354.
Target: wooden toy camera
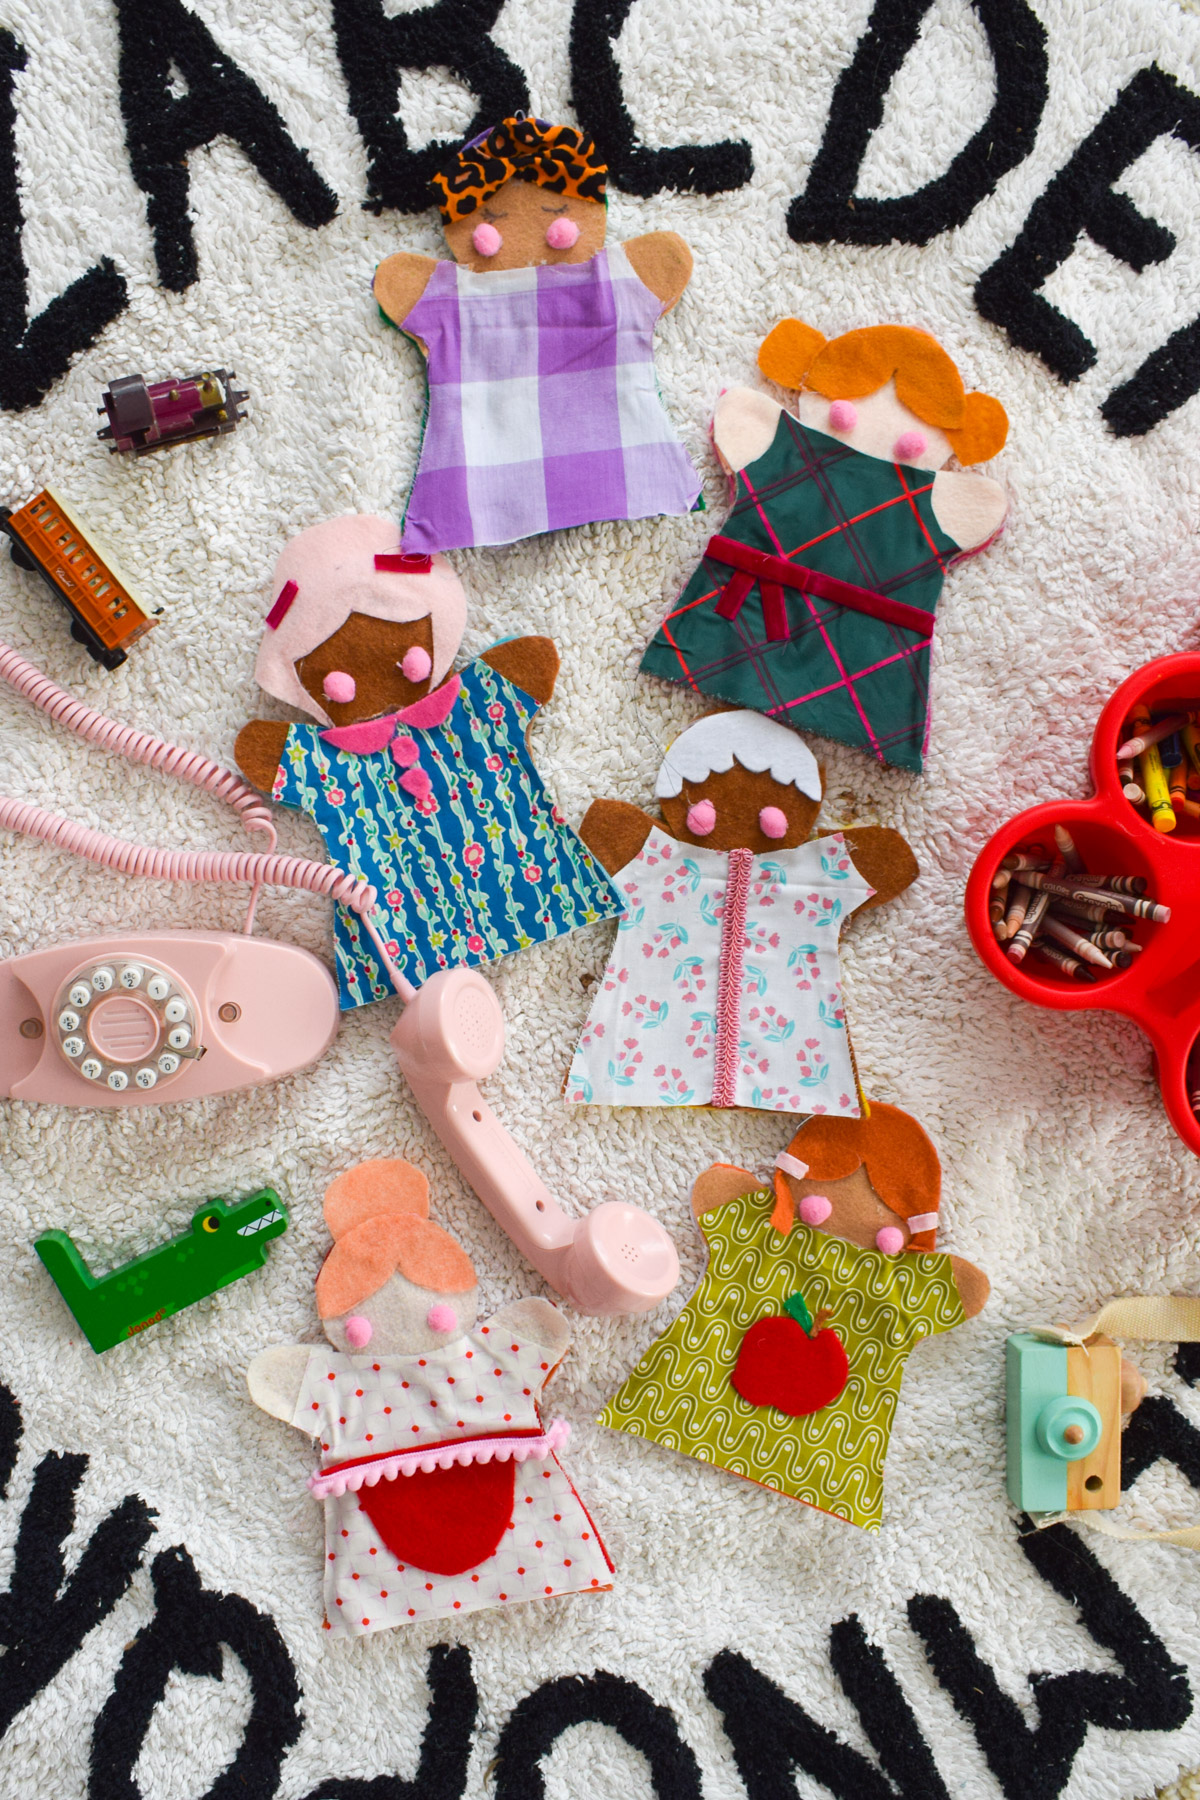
x=1064, y=1424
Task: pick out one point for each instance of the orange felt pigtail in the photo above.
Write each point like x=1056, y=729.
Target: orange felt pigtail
x=983, y=432
x=377, y=1214
x=786, y=353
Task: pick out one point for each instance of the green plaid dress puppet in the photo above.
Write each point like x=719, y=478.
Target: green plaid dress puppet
x=816, y=602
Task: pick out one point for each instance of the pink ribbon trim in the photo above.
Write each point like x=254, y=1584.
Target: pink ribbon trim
x=370, y=1472
x=370, y=735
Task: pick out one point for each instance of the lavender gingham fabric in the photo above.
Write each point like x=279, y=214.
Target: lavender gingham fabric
x=543, y=410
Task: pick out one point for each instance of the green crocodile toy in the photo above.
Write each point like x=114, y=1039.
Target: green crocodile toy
x=226, y=1241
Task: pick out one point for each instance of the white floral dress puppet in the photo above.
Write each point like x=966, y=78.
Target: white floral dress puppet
x=724, y=987
x=442, y=1490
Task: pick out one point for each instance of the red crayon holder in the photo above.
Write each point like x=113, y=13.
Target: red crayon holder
x=1160, y=991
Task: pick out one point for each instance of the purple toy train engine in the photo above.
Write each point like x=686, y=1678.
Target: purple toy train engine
x=144, y=416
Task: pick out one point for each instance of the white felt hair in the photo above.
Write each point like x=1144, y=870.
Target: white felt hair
x=333, y=566
x=709, y=746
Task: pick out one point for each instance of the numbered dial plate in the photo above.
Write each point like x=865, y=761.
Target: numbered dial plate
x=124, y=1023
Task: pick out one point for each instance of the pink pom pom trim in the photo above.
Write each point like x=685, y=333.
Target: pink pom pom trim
x=773, y=821
x=814, y=1209
x=563, y=234
x=908, y=445
x=701, y=818
x=486, y=239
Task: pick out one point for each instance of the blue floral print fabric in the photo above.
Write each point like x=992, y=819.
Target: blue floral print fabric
x=478, y=866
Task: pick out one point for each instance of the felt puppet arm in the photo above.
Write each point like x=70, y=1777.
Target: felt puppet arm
x=744, y=425
x=663, y=263
x=400, y=281
x=972, y=1284
x=275, y=1379
x=536, y=1321
x=530, y=663
x=614, y=832
x=719, y=1184
x=883, y=858
x=969, y=508
x=258, y=751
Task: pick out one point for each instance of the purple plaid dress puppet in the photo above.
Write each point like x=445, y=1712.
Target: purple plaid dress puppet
x=543, y=410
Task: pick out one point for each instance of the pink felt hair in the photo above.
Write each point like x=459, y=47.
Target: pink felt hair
x=377, y=1214
x=333, y=568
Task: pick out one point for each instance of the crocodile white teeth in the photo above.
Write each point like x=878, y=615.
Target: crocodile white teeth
x=260, y=1224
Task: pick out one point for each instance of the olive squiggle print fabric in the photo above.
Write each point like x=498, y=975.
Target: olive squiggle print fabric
x=881, y=1306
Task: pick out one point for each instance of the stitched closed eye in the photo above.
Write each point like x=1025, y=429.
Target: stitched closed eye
x=558, y=211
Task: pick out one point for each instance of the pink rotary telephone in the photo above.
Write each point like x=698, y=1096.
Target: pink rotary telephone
x=117, y=1022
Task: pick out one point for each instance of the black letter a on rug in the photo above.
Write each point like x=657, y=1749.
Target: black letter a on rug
x=829, y=211
x=161, y=127
x=34, y=356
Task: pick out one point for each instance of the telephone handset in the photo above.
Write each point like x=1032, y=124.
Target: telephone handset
x=175, y=1015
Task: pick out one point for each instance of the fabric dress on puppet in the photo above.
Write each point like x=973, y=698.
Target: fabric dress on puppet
x=441, y=809
x=433, y=1545
x=846, y=655
x=724, y=985
x=681, y=1394
x=542, y=410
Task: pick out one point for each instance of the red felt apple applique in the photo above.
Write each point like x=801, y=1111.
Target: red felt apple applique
x=791, y=1363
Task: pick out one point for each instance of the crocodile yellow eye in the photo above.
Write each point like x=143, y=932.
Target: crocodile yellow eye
x=212, y=1223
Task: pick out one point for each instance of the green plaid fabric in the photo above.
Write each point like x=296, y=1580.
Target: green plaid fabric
x=839, y=672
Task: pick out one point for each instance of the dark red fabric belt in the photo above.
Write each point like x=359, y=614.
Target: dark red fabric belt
x=774, y=573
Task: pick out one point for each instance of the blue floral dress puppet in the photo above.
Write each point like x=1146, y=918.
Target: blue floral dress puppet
x=420, y=780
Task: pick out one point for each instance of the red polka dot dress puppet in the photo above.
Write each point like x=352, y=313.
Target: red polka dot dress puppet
x=442, y=1489
x=543, y=410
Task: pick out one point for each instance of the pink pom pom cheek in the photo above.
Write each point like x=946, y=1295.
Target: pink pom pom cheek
x=908, y=446
x=441, y=1318
x=417, y=663
x=890, y=1240
x=815, y=1209
x=701, y=818
x=359, y=1332
x=772, y=821
x=339, y=687
x=843, y=415
x=486, y=239
x=563, y=234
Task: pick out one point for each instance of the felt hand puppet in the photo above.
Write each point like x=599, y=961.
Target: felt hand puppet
x=816, y=600
x=441, y=1487
x=724, y=985
x=542, y=409
x=785, y=1365
x=419, y=779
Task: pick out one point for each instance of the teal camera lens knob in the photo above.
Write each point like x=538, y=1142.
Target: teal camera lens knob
x=1069, y=1428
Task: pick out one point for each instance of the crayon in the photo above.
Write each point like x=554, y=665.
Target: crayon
x=1122, y=959
x=1111, y=902
x=1067, y=850
x=1096, y=915
x=1070, y=965
x=1075, y=943
x=1025, y=859
x=1150, y=735
x=1018, y=945
x=1177, y=784
x=1019, y=897
x=1191, y=749
x=1134, y=794
x=1108, y=939
x=996, y=912
x=1120, y=884
x=1143, y=909
x=1000, y=880
x=1154, y=780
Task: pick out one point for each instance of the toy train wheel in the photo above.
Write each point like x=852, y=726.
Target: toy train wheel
x=21, y=556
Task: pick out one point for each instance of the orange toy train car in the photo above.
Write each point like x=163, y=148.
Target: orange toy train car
x=49, y=539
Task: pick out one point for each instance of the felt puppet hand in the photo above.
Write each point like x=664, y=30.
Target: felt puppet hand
x=785, y=1366
x=854, y=479
x=434, y=1451
x=528, y=195
x=724, y=984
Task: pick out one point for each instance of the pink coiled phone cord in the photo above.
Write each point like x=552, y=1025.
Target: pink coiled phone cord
x=254, y=867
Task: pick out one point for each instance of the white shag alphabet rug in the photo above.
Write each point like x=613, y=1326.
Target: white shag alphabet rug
x=844, y=1661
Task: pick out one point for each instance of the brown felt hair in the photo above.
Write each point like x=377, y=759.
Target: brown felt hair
x=901, y=1163
x=858, y=363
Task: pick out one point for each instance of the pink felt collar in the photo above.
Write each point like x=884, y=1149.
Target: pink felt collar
x=376, y=734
